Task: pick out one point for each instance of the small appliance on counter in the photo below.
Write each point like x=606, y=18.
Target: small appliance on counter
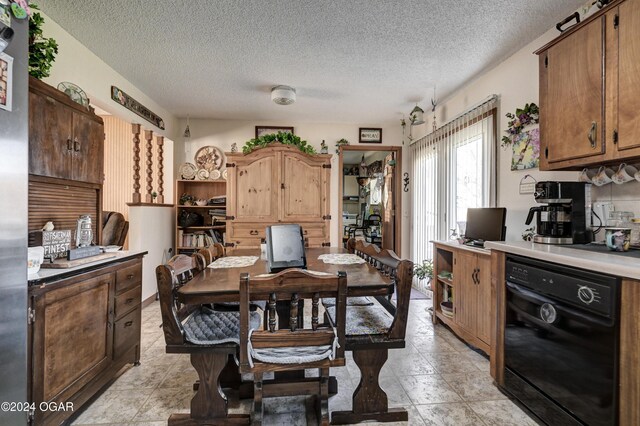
x=565, y=219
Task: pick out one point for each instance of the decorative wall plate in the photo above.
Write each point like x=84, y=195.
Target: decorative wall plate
x=187, y=171
x=215, y=174
x=209, y=158
x=203, y=174
x=224, y=174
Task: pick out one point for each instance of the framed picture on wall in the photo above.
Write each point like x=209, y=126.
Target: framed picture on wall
x=370, y=135
x=269, y=130
x=6, y=84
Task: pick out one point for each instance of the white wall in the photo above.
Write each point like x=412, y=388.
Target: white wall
x=515, y=81
x=222, y=133
x=150, y=229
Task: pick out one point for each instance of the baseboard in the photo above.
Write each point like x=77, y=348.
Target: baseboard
x=149, y=300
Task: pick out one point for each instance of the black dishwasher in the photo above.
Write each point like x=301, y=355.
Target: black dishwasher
x=561, y=342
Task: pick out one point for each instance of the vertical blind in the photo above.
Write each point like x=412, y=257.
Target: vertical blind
x=453, y=168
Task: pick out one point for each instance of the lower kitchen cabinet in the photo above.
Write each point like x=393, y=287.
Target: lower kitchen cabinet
x=462, y=276
x=82, y=330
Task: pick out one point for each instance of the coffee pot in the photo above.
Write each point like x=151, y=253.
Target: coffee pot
x=84, y=233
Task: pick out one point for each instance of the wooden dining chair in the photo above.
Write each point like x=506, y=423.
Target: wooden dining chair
x=206, y=255
x=297, y=346
x=371, y=331
x=209, y=336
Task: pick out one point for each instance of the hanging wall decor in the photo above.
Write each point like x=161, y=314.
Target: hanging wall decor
x=525, y=144
x=132, y=105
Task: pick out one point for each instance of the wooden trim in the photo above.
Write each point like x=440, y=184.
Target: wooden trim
x=629, y=366
x=148, y=135
x=149, y=205
x=498, y=296
x=136, y=196
x=577, y=27
x=59, y=181
x=397, y=191
x=160, y=142
x=148, y=301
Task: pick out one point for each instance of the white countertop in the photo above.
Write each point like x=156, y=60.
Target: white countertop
x=607, y=263
x=49, y=274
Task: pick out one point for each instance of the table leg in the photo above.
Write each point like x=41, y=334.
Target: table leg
x=209, y=405
x=369, y=400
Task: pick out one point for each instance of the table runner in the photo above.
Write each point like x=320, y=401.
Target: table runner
x=233, y=262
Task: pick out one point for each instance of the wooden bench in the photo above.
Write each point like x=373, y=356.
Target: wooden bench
x=371, y=332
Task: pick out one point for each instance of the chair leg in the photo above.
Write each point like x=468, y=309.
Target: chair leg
x=258, y=408
x=323, y=397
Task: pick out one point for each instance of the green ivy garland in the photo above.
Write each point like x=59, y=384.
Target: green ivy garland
x=283, y=138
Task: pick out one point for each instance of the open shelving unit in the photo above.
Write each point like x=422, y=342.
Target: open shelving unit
x=444, y=287
x=200, y=190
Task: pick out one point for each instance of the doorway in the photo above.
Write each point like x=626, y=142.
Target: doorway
x=369, y=185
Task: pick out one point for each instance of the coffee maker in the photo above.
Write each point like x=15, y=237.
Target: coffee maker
x=565, y=217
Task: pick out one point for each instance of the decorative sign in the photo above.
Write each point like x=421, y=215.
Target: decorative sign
x=272, y=130
x=56, y=243
x=370, y=135
x=131, y=104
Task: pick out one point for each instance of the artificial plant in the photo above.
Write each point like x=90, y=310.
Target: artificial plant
x=424, y=270
x=283, y=138
x=530, y=114
x=42, y=50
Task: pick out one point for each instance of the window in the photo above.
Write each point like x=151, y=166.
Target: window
x=453, y=170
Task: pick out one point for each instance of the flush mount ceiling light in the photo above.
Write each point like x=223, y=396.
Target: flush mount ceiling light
x=283, y=95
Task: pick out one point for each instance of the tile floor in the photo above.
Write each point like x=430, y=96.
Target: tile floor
x=437, y=378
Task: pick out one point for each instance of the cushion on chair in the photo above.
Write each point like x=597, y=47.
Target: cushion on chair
x=231, y=306
x=361, y=320
x=351, y=301
x=208, y=327
x=292, y=354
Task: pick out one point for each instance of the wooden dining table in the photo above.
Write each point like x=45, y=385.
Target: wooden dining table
x=217, y=285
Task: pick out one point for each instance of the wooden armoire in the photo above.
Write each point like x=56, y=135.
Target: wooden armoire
x=277, y=184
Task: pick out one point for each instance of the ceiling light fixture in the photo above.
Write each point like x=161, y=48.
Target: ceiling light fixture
x=187, y=132
x=283, y=95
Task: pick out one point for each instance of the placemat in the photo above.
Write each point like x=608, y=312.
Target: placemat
x=233, y=262
x=341, y=259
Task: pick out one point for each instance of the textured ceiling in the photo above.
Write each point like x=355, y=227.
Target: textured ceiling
x=358, y=61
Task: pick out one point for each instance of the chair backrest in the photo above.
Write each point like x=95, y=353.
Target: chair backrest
x=114, y=228
x=170, y=277
x=292, y=285
x=401, y=272
x=206, y=255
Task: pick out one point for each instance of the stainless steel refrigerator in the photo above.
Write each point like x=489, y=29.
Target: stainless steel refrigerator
x=14, y=145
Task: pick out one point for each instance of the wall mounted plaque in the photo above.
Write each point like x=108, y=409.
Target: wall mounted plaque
x=131, y=104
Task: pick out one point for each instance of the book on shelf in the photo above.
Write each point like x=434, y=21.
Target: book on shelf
x=200, y=239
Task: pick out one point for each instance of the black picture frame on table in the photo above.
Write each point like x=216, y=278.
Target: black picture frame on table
x=370, y=135
x=268, y=130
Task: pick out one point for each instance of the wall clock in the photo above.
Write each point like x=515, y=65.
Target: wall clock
x=209, y=158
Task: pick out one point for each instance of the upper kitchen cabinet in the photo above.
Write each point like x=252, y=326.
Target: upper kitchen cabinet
x=66, y=140
x=590, y=91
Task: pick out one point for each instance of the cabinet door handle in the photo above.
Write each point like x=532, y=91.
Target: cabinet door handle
x=128, y=323
x=253, y=232
x=129, y=276
x=304, y=232
x=76, y=145
x=593, y=135
x=69, y=144
x=128, y=301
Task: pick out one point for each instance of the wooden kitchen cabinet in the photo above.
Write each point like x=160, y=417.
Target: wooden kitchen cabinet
x=82, y=330
x=590, y=91
x=470, y=287
x=66, y=140
x=277, y=184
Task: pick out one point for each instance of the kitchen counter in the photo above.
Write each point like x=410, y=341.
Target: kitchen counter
x=47, y=275
x=608, y=263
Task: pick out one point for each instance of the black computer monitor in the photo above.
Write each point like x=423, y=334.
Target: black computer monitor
x=486, y=224
x=285, y=247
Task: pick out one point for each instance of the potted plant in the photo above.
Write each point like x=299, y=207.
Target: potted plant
x=424, y=270
x=42, y=50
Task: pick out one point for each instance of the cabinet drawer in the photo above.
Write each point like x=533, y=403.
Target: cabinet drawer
x=314, y=230
x=315, y=242
x=126, y=333
x=128, y=300
x=245, y=242
x=128, y=276
x=249, y=230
